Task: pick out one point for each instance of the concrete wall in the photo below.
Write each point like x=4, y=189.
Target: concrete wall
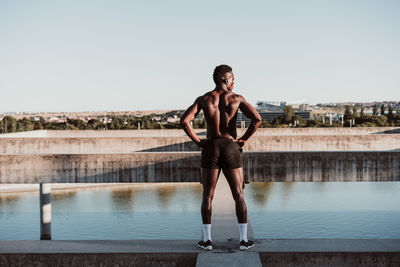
x=332, y=258
x=37, y=133
x=52, y=145
x=184, y=167
x=273, y=252
x=179, y=132
x=98, y=259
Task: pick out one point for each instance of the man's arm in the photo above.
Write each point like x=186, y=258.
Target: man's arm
x=250, y=112
x=187, y=117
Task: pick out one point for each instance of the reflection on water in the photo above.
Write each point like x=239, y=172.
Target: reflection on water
x=123, y=198
x=325, y=210
x=260, y=193
x=165, y=195
x=172, y=211
x=63, y=194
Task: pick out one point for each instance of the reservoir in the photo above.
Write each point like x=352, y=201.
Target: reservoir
x=172, y=211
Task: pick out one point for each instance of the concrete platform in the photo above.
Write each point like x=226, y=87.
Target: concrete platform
x=275, y=252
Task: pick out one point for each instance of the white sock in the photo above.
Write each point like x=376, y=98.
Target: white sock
x=207, y=232
x=243, y=231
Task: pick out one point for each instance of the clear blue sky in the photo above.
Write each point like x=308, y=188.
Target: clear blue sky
x=135, y=55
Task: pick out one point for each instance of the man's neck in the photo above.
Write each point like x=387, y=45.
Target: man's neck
x=221, y=89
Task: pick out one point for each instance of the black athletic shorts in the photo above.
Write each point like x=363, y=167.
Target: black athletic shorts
x=221, y=153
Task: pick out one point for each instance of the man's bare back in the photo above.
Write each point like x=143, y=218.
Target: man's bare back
x=220, y=107
x=220, y=111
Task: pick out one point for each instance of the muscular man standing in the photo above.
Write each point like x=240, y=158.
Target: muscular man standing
x=221, y=149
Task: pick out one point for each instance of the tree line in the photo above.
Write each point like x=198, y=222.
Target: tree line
x=352, y=115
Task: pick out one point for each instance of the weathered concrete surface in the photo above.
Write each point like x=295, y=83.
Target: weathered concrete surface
x=231, y=259
x=87, y=145
x=179, y=132
x=99, y=168
x=99, y=259
x=98, y=253
x=341, y=259
x=185, y=167
x=322, y=166
x=275, y=252
x=127, y=141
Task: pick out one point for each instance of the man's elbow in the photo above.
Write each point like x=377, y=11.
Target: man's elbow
x=257, y=120
x=184, y=122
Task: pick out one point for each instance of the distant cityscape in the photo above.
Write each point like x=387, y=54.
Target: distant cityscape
x=273, y=113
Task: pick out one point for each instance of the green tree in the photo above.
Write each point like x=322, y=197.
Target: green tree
x=355, y=109
x=37, y=125
x=362, y=112
x=390, y=115
x=42, y=121
x=77, y=123
x=24, y=125
x=9, y=124
x=383, y=108
x=375, y=110
x=95, y=124
x=288, y=114
x=347, y=114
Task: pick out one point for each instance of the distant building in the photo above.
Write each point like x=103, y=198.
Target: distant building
x=263, y=106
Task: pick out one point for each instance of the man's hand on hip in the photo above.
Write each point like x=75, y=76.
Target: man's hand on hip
x=240, y=142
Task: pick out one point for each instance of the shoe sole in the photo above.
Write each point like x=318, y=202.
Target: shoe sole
x=246, y=248
x=205, y=248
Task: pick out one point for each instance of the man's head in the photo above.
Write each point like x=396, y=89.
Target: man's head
x=223, y=75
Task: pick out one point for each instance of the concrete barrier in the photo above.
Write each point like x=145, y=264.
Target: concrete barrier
x=272, y=252
x=89, y=145
x=180, y=132
x=185, y=167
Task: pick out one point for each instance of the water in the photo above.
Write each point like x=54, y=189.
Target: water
x=172, y=211
x=325, y=210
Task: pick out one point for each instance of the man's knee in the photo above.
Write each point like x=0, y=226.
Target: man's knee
x=208, y=197
x=238, y=196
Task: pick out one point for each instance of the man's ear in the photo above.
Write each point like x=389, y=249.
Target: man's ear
x=223, y=79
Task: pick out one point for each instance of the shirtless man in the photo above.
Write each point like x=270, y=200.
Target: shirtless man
x=221, y=149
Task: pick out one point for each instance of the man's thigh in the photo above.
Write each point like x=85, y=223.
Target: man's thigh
x=209, y=179
x=235, y=179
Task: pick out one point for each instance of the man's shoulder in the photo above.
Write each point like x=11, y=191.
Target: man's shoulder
x=235, y=96
x=204, y=97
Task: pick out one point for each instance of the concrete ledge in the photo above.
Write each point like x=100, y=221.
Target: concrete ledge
x=96, y=259
x=350, y=259
x=190, y=246
x=275, y=252
x=185, y=167
x=180, y=132
x=93, y=145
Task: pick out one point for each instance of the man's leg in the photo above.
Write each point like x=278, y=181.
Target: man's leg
x=210, y=178
x=235, y=180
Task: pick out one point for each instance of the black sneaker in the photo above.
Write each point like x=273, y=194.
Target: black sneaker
x=205, y=245
x=246, y=245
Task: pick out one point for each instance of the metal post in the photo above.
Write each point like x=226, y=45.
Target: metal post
x=342, y=120
x=330, y=119
x=45, y=212
x=138, y=125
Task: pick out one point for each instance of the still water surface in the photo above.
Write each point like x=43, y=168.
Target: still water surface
x=172, y=211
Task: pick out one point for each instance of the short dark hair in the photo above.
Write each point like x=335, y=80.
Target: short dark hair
x=219, y=71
